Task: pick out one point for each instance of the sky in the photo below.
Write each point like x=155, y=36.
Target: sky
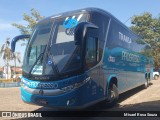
x=11, y=11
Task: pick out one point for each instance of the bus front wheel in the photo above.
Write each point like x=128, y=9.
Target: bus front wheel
x=112, y=95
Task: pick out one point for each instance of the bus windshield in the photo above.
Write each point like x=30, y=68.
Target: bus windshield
x=52, y=48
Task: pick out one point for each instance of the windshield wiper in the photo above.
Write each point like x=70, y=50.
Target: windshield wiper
x=36, y=62
x=54, y=66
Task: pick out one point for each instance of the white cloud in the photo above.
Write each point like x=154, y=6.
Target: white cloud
x=7, y=25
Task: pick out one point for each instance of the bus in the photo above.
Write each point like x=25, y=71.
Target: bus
x=78, y=58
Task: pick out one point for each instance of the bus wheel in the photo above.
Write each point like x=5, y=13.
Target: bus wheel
x=146, y=84
x=155, y=77
x=113, y=96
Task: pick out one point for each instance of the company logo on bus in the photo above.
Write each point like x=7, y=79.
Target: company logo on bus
x=70, y=23
x=111, y=59
x=39, y=85
x=41, y=92
x=125, y=38
x=130, y=57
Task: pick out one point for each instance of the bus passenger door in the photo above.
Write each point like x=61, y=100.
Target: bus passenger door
x=92, y=66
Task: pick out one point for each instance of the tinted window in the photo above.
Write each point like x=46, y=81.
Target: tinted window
x=91, y=52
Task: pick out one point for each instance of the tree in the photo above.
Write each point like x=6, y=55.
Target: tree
x=16, y=56
x=148, y=28
x=31, y=20
x=7, y=56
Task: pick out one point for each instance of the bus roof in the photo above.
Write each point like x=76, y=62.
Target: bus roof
x=90, y=10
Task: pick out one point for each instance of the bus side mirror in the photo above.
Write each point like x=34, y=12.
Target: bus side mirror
x=17, y=38
x=81, y=30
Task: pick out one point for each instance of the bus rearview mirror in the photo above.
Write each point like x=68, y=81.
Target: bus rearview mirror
x=81, y=30
x=17, y=38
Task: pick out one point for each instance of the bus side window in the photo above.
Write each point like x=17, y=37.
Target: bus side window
x=91, y=58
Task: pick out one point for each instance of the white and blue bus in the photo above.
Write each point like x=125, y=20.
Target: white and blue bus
x=78, y=58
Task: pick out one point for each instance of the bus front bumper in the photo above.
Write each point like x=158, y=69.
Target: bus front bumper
x=67, y=100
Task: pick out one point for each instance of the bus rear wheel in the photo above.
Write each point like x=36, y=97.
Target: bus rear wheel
x=112, y=95
x=155, y=77
x=146, y=84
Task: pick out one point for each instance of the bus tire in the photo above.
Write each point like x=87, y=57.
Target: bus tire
x=146, y=84
x=155, y=77
x=113, y=95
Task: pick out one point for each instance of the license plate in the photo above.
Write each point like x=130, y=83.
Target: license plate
x=42, y=101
